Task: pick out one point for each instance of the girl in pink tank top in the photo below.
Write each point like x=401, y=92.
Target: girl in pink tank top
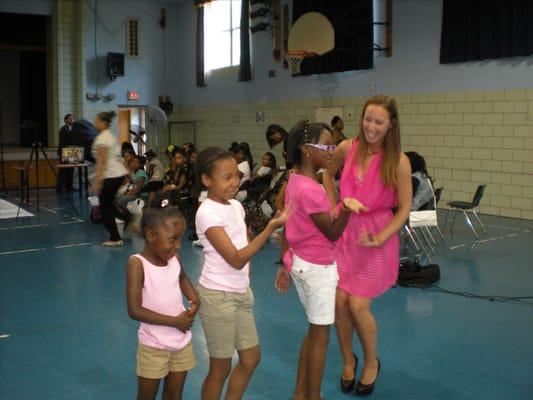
x=377, y=174
x=156, y=284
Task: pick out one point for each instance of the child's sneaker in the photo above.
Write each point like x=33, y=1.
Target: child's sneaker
x=113, y=243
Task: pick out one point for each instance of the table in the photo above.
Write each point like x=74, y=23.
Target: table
x=82, y=168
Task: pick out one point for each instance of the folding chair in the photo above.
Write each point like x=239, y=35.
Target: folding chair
x=465, y=207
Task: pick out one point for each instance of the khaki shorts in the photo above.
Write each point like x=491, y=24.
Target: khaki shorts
x=153, y=363
x=228, y=321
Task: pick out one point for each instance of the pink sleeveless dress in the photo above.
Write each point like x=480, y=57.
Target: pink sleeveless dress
x=367, y=271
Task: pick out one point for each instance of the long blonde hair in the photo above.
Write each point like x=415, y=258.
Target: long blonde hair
x=391, y=143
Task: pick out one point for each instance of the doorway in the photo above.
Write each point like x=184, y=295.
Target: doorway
x=132, y=127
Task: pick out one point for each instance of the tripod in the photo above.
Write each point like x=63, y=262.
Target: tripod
x=34, y=156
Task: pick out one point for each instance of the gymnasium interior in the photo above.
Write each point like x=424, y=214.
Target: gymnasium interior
x=216, y=72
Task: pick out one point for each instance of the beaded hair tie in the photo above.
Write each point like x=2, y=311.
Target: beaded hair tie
x=306, y=131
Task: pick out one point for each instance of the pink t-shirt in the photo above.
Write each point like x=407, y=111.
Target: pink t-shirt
x=217, y=274
x=161, y=293
x=303, y=236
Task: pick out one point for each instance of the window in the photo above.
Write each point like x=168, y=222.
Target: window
x=222, y=34
x=132, y=37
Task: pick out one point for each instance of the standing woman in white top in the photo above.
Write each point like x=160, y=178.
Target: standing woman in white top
x=110, y=174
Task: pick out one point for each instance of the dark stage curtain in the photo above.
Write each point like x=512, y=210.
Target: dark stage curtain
x=200, y=67
x=33, y=113
x=486, y=29
x=352, y=21
x=245, y=67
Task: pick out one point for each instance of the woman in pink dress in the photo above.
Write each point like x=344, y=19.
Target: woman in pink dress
x=377, y=174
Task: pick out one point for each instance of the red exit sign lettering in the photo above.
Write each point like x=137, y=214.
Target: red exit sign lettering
x=133, y=95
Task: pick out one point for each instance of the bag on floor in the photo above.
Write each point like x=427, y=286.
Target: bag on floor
x=412, y=274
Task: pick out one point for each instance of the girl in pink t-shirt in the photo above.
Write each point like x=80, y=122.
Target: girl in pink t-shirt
x=310, y=233
x=155, y=287
x=227, y=300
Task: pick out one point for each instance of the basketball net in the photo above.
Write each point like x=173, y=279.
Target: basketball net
x=294, y=60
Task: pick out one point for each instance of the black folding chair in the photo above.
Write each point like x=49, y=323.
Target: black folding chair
x=465, y=207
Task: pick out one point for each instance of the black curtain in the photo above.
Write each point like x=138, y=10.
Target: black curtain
x=200, y=62
x=486, y=29
x=33, y=113
x=245, y=68
x=352, y=21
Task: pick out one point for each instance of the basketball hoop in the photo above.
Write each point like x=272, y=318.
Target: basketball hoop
x=294, y=59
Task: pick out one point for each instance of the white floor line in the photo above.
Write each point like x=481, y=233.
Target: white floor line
x=72, y=222
x=5, y=253
x=456, y=247
x=4, y=336
x=511, y=228
x=28, y=226
x=48, y=209
x=492, y=239
x=65, y=246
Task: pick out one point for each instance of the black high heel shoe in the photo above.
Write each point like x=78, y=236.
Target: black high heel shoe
x=348, y=385
x=364, y=390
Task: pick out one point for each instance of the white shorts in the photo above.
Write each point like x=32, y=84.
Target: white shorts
x=316, y=286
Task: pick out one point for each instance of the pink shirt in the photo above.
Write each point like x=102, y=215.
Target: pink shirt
x=161, y=293
x=217, y=274
x=303, y=236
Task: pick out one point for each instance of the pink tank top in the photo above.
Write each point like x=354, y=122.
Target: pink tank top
x=161, y=293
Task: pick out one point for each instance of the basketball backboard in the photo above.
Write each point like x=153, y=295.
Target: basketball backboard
x=313, y=33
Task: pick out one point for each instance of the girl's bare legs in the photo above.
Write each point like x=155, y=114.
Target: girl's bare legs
x=219, y=370
x=147, y=388
x=240, y=377
x=174, y=383
x=311, y=363
x=345, y=328
x=300, y=392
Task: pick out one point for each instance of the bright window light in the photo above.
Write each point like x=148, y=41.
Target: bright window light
x=222, y=34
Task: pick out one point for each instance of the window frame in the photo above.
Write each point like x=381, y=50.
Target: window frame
x=232, y=29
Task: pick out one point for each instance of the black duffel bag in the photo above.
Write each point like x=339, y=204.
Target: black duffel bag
x=412, y=274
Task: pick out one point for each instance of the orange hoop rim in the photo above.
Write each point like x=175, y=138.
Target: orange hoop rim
x=299, y=53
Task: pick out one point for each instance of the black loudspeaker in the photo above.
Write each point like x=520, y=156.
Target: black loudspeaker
x=115, y=65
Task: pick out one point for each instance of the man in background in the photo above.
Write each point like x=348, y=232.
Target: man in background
x=65, y=175
x=338, y=125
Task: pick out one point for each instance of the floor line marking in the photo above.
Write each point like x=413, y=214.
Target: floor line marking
x=5, y=253
x=456, y=247
x=511, y=228
x=65, y=246
x=4, y=336
x=71, y=222
x=492, y=239
x=27, y=226
x=48, y=209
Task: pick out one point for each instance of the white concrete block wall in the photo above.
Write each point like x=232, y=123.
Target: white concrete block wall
x=467, y=137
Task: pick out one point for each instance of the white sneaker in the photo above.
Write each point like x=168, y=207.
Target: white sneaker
x=113, y=243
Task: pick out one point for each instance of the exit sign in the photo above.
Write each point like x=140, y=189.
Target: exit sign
x=133, y=95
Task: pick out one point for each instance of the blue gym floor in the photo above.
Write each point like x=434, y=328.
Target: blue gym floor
x=62, y=304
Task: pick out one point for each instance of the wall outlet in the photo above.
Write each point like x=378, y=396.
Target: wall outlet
x=272, y=73
x=349, y=113
x=260, y=117
x=236, y=117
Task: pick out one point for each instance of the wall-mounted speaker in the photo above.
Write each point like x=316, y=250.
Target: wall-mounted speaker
x=115, y=65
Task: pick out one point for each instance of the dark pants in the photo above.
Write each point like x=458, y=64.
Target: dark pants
x=64, y=178
x=107, y=206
